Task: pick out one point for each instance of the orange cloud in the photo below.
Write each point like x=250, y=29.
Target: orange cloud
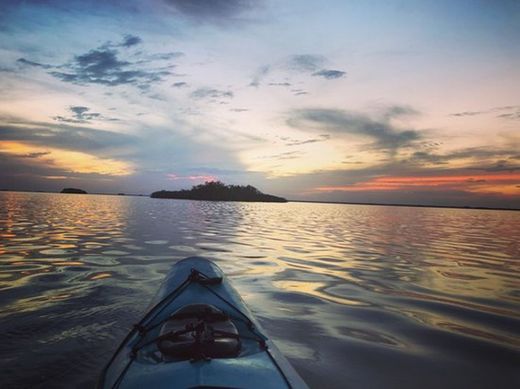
x=71, y=161
x=502, y=183
x=192, y=178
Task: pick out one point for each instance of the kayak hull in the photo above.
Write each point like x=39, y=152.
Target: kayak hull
x=259, y=365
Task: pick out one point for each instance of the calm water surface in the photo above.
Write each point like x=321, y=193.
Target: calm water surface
x=355, y=296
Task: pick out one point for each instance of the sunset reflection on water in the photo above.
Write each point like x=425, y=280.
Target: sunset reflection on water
x=372, y=295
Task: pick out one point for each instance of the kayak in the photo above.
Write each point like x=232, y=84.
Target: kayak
x=198, y=332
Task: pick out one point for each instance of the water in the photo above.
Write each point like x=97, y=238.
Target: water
x=355, y=296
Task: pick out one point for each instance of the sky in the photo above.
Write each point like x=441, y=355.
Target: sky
x=409, y=102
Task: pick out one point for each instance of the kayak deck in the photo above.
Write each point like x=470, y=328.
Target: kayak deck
x=196, y=280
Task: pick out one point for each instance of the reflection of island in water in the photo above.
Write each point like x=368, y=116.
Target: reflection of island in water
x=218, y=191
x=73, y=190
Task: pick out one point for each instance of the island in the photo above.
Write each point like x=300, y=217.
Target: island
x=218, y=191
x=73, y=190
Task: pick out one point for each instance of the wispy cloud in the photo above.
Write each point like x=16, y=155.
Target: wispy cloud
x=312, y=64
x=259, y=75
x=386, y=136
x=306, y=62
x=82, y=114
x=329, y=74
x=299, y=92
x=297, y=142
x=104, y=66
x=480, y=158
x=180, y=84
x=131, y=40
x=26, y=62
x=508, y=112
x=501, y=166
x=514, y=115
x=198, y=177
x=467, y=113
x=285, y=155
x=217, y=12
x=65, y=137
x=211, y=93
x=37, y=154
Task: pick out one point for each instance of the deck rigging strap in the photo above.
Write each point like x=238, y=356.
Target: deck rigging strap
x=205, y=281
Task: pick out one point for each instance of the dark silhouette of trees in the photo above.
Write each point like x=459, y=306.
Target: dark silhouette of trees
x=218, y=191
x=73, y=190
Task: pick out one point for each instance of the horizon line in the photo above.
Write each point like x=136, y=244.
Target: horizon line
x=292, y=201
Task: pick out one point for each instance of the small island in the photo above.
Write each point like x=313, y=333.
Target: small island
x=218, y=191
x=73, y=190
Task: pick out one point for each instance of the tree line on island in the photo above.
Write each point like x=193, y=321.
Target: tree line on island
x=218, y=191
x=73, y=190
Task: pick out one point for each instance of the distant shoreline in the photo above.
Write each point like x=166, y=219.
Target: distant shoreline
x=295, y=201
x=89, y=193
x=404, y=205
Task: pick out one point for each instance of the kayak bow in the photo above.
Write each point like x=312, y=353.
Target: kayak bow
x=198, y=333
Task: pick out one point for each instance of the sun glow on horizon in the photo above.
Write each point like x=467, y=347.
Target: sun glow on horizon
x=503, y=183
x=72, y=161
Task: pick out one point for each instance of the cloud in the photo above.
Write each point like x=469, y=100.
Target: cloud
x=198, y=178
x=459, y=186
x=210, y=93
x=386, y=136
x=65, y=119
x=260, y=75
x=104, y=66
x=79, y=111
x=286, y=84
x=145, y=157
x=164, y=56
x=26, y=62
x=82, y=139
x=329, y=74
x=500, y=166
x=306, y=62
x=296, y=142
x=481, y=157
x=285, y=155
x=81, y=114
x=85, y=119
x=128, y=40
x=131, y=40
x=511, y=115
x=395, y=111
x=299, y=63
x=299, y=92
x=513, y=112
x=212, y=11
x=424, y=156
x=63, y=148
x=467, y=113
x=19, y=172
x=34, y=155
x=432, y=182
x=239, y=109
